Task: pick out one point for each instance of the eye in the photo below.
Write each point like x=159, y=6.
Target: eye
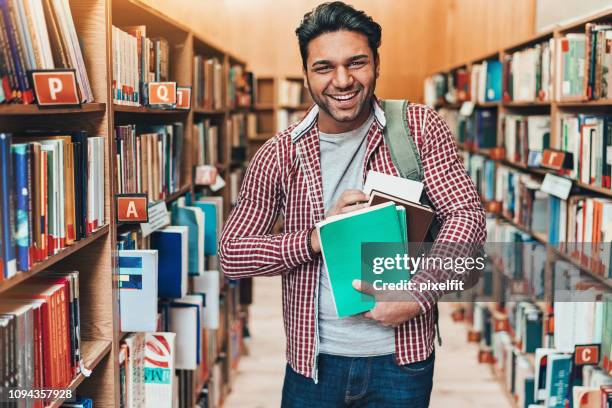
x=357, y=64
x=323, y=69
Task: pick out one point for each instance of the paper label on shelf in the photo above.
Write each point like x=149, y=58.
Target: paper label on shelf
x=55, y=87
x=159, y=217
x=218, y=185
x=84, y=370
x=557, y=186
x=205, y=175
x=467, y=108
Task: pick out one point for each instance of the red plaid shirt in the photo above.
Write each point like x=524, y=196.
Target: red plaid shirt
x=284, y=178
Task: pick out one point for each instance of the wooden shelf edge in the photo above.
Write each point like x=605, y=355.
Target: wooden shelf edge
x=145, y=110
x=204, y=111
x=93, y=352
x=47, y=263
x=29, y=110
x=180, y=192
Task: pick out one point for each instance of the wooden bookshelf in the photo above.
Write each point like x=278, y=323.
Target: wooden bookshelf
x=93, y=352
x=28, y=110
x=95, y=256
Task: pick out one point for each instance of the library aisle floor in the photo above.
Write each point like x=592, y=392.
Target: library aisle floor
x=459, y=380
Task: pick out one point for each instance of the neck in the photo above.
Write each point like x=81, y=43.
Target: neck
x=327, y=124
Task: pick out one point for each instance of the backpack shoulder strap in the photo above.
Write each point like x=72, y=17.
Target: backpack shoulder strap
x=399, y=140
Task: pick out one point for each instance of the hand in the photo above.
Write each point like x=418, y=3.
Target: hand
x=389, y=309
x=350, y=200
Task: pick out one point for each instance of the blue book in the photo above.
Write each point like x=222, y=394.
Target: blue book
x=172, y=247
x=210, y=226
x=21, y=191
x=494, y=81
x=79, y=402
x=138, y=290
x=193, y=218
x=558, y=371
x=8, y=261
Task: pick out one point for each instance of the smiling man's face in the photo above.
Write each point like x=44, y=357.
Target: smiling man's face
x=341, y=73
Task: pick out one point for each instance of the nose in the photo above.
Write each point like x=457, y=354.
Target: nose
x=342, y=78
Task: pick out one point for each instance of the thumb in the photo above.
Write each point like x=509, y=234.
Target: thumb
x=364, y=287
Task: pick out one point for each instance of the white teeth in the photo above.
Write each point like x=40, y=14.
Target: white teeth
x=344, y=97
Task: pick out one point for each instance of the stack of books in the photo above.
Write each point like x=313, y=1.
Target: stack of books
x=525, y=138
x=527, y=74
x=207, y=136
x=208, y=83
x=240, y=89
x=486, y=81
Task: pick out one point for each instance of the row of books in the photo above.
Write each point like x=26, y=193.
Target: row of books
x=35, y=35
x=208, y=148
x=149, y=159
x=291, y=93
x=527, y=74
x=52, y=195
x=485, y=81
x=137, y=60
x=579, y=219
x=534, y=358
x=208, y=83
x=526, y=137
x=584, y=64
x=40, y=333
x=476, y=131
x=588, y=140
x=241, y=87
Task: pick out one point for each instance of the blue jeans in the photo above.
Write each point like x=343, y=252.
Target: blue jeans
x=361, y=382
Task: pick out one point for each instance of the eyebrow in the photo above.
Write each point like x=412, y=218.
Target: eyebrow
x=351, y=59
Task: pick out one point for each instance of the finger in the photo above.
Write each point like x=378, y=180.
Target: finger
x=352, y=208
x=368, y=315
x=364, y=287
x=350, y=197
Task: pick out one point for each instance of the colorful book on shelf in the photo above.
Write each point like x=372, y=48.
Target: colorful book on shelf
x=158, y=365
x=185, y=320
x=138, y=270
x=8, y=260
x=193, y=218
x=208, y=283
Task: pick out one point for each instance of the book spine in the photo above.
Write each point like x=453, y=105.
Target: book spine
x=26, y=95
x=21, y=195
x=7, y=206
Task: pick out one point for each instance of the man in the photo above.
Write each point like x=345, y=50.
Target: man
x=316, y=169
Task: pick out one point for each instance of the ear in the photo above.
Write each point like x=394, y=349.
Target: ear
x=305, y=78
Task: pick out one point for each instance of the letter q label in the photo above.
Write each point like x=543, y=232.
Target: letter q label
x=162, y=94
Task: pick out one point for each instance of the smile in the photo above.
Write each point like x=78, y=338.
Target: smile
x=344, y=97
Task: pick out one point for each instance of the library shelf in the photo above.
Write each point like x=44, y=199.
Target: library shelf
x=490, y=104
x=206, y=111
x=126, y=109
x=50, y=261
x=595, y=102
x=540, y=237
x=177, y=194
x=93, y=352
x=525, y=104
x=28, y=110
x=264, y=106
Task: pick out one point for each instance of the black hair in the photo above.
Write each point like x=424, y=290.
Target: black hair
x=336, y=16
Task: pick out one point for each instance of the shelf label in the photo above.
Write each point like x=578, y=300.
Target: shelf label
x=131, y=208
x=556, y=186
x=586, y=354
x=183, y=97
x=556, y=159
x=218, y=184
x=205, y=175
x=56, y=87
x=162, y=94
x=159, y=217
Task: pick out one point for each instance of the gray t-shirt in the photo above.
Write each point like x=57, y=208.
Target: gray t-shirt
x=342, y=158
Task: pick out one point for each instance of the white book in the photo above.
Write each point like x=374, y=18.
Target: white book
x=209, y=284
x=159, y=366
x=399, y=187
x=138, y=290
x=183, y=320
x=134, y=370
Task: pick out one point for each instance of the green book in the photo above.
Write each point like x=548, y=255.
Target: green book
x=341, y=239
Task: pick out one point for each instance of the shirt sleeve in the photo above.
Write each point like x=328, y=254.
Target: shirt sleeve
x=247, y=247
x=457, y=204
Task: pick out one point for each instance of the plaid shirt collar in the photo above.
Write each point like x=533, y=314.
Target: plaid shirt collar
x=310, y=120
